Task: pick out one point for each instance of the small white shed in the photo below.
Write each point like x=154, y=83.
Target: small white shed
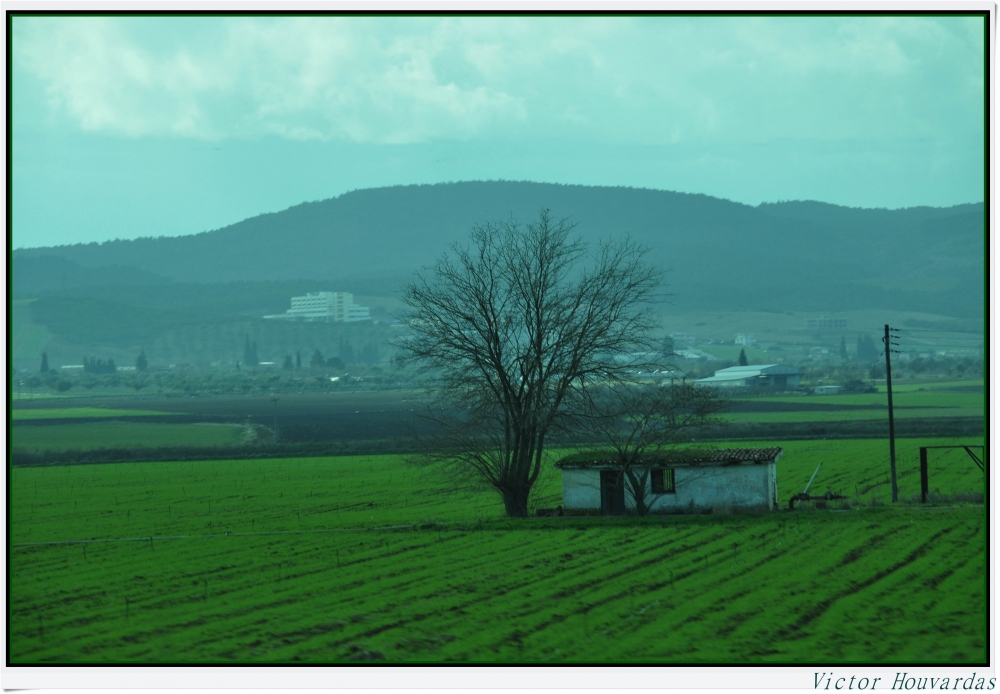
x=691, y=480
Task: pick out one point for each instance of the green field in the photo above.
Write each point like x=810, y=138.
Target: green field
x=847, y=415
x=958, y=386
x=79, y=413
x=60, y=437
x=955, y=399
x=329, y=559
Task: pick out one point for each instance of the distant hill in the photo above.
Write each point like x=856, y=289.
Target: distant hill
x=45, y=273
x=725, y=255
x=197, y=298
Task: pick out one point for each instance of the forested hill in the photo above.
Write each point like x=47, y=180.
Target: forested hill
x=783, y=256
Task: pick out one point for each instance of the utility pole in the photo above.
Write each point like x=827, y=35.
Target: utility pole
x=274, y=399
x=892, y=426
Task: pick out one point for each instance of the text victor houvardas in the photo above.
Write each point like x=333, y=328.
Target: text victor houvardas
x=902, y=681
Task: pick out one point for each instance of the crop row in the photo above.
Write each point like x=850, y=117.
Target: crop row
x=278, y=560
x=873, y=585
x=25, y=414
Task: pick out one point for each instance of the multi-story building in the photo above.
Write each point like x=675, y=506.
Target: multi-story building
x=357, y=313
x=332, y=307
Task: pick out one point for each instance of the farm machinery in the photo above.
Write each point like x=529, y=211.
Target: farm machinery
x=805, y=496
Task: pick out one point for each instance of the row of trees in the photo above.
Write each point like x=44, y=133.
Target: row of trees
x=521, y=341
x=369, y=354
x=212, y=382
x=93, y=365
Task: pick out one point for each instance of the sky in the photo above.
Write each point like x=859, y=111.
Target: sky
x=162, y=126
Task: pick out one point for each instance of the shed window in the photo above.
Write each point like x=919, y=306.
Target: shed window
x=662, y=481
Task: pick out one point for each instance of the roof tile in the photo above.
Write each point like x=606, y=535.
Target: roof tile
x=686, y=457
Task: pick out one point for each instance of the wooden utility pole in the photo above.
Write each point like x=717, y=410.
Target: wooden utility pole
x=274, y=399
x=892, y=425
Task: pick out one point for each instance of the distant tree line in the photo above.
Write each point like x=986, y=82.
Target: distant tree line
x=867, y=350
x=250, y=357
x=93, y=365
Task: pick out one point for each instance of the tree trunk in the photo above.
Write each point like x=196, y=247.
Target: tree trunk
x=640, y=505
x=515, y=501
x=637, y=484
x=515, y=487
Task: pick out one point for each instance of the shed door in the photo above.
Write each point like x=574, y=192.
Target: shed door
x=612, y=493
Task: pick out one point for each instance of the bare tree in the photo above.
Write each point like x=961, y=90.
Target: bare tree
x=507, y=326
x=635, y=422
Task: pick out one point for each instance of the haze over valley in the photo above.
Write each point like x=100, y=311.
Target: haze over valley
x=722, y=257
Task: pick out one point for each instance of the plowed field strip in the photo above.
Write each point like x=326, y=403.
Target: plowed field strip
x=695, y=588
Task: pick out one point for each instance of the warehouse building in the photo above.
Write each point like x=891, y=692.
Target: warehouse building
x=773, y=376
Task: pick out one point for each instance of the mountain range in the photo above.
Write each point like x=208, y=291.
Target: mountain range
x=720, y=254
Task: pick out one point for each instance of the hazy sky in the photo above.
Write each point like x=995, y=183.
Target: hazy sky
x=151, y=126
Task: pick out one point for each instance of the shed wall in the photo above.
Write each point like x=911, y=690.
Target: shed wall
x=582, y=489
x=702, y=487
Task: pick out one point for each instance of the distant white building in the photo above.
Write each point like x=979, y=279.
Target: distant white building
x=827, y=390
x=745, y=339
x=331, y=307
x=776, y=376
x=826, y=323
x=357, y=313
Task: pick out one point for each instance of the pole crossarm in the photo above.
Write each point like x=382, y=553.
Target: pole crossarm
x=974, y=456
x=924, y=485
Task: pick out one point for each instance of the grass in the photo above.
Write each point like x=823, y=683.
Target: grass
x=846, y=415
x=40, y=394
x=121, y=435
x=935, y=385
x=907, y=398
x=290, y=560
x=79, y=413
x=924, y=400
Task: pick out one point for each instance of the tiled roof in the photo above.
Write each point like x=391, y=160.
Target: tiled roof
x=721, y=456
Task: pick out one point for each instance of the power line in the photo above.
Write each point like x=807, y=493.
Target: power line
x=943, y=338
x=939, y=330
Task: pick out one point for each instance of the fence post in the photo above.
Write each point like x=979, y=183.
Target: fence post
x=923, y=475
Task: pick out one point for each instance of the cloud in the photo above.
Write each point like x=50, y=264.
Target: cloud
x=421, y=79
x=300, y=78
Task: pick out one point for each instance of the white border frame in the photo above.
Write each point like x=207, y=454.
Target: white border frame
x=518, y=677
